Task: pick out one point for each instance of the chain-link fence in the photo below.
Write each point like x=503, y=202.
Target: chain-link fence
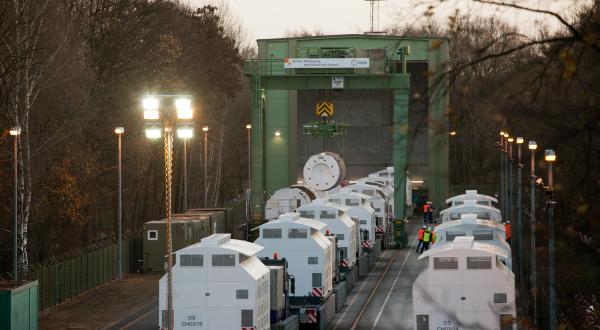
x=65, y=276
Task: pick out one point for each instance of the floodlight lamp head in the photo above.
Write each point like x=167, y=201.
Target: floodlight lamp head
x=150, y=103
x=511, y=140
x=119, y=130
x=248, y=126
x=204, y=129
x=549, y=155
x=153, y=132
x=15, y=131
x=532, y=145
x=185, y=132
x=520, y=140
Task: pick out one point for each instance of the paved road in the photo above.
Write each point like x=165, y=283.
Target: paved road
x=380, y=300
x=383, y=300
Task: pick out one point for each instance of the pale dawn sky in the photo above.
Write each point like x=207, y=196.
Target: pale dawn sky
x=273, y=18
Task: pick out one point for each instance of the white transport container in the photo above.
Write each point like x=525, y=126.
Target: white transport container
x=378, y=199
x=472, y=195
x=308, y=252
x=485, y=231
x=465, y=286
x=482, y=212
x=360, y=209
x=218, y=283
x=338, y=223
x=286, y=200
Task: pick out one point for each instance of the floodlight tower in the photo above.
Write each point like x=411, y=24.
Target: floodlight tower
x=165, y=113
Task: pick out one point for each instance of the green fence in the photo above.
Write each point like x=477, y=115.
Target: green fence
x=66, y=276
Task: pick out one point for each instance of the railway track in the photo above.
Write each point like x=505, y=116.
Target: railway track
x=387, y=287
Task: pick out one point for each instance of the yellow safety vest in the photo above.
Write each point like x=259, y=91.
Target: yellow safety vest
x=427, y=236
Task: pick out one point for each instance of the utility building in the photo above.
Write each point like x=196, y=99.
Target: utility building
x=218, y=283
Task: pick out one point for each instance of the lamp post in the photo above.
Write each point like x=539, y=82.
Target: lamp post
x=119, y=131
x=501, y=192
x=159, y=119
x=185, y=132
x=519, y=141
x=15, y=132
x=550, y=158
x=532, y=147
x=248, y=191
x=205, y=130
x=510, y=179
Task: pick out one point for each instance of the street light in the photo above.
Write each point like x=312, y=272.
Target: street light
x=119, y=131
x=249, y=190
x=163, y=118
x=550, y=157
x=185, y=132
x=510, y=179
x=501, y=191
x=16, y=132
x=452, y=133
x=520, y=141
x=277, y=133
x=205, y=130
x=532, y=147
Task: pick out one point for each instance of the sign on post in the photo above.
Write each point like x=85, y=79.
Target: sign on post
x=324, y=109
x=337, y=82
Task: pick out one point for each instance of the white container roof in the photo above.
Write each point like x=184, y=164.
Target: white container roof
x=471, y=195
x=467, y=220
x=292, y=220
x=224, y=241
x=362, y=186
x=469, y=204
x=348, y=194
x=465, y=243
x=321, y=204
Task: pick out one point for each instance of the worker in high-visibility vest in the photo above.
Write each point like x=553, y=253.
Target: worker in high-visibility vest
x=428, y=212
x=426, y=240
x=420, y=237
x=507, y=228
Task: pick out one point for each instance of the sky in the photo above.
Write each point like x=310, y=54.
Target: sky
x=274, y=18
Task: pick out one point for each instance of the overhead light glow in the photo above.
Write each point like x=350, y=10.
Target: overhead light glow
x=15, y=131
x=277, y=133
x=501, y=133
x=185, y=132
x=119, y=130
x=185, y=113
x=151, y=114
x=205, y=129
x=520, y=140
x=550, y=155
x=511, y=140
x=248, y=126
x=150, y=103
x=153, y=132
x=453, y=133
x=417, y=181
x=532, y=145
x=183, y=104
